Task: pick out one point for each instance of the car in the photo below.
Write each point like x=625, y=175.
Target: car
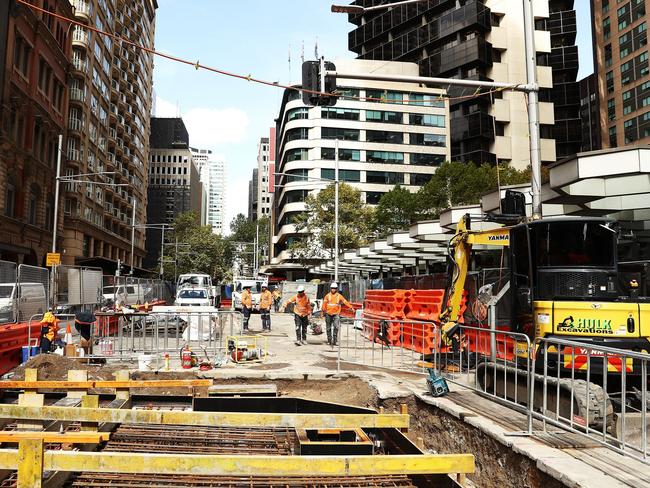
x=128, y=294
x=193, y=297
x=198, y=280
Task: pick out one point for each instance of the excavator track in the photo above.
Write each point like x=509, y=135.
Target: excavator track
x=582, y=402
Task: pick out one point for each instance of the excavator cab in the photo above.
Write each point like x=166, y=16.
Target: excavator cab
x=560, y=260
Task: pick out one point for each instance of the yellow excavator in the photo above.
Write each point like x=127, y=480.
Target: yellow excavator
x=564, y=283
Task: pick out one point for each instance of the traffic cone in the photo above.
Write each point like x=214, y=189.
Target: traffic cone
x=68, y=335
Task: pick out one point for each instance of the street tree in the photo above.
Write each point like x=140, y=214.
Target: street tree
x=457, y=183
x=199, y=250
x=243, y=232
x=317, y=224
x=396, y=210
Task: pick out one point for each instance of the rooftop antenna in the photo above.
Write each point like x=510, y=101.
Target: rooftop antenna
x=289, y=60
x=302, y=52
x=316, y=49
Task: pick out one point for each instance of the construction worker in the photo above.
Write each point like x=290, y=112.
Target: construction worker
x=83, y=322
x=301, y=313
x=332, y=311
x=246, y=305
x=49, y=329
x=277, y=297
x=266, y=300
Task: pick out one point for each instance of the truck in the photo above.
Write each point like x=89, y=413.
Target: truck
x=198, y=280
x=256, y=289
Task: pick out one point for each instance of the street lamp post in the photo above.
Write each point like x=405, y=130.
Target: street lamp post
x=133, y=235
x=530, y=88
x=336, y=210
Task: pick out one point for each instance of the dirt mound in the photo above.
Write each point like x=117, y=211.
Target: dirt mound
x=49, y=366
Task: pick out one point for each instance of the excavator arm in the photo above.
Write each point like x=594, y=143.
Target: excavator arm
x=460, y=251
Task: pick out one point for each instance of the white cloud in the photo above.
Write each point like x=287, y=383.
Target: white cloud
x=209, y=127
x=236, y=199
x=165, y=108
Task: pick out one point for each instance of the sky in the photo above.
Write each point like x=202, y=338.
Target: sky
x=256, y=37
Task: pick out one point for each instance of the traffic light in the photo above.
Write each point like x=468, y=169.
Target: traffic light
x=312, y=79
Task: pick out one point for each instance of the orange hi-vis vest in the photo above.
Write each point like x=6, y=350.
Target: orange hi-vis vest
x=247, y=299
x=266, y=300
x=303, y=305
x=332, y=303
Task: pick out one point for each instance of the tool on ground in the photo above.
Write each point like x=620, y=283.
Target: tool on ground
x=436, y=384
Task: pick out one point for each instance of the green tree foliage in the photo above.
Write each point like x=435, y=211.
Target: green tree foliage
x=199, y=250
x=456, y=183
x=396, y=210
x=242, y=234
x=355, y=223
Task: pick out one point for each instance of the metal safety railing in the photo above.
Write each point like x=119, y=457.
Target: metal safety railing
x=383, y=343
x=596, y=391
x=126, y=336
x=609, y=390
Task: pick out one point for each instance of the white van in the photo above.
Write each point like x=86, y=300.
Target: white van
x=195, y=280
x=129, y=294
x=28, y=298
x=193, y=297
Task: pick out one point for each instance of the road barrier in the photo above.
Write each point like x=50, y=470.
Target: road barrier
x=127, y=336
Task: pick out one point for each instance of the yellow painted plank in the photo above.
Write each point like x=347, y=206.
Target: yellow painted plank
x=62, y=385
x=68, y=437
x=30, y=463
x=258, y=465
x=226, y=419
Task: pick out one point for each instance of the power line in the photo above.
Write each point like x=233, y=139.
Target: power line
x=197, y=65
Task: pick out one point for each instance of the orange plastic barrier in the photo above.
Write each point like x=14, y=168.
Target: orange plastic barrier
x=388, y=304
x=346, y=312
x=12, y=338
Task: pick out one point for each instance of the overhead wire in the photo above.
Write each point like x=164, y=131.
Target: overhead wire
x=198, y=65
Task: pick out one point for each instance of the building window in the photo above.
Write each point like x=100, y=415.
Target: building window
x=10, y=199
x=33, y=205
x=351, y=175
x=295, y=114
x=427, y=159
x=608, y=55
x=426, y=100
x=437, y=140
x=340, y=134
x=419, y=179
x=624, y=17
x=385, y=157
x=384, y=136
x=611, y=110
x=384, y=96
x=328, y=153
x=22, y=54
x=373, y=197
x=428, y=120
x=340, y=113
x=606, y=28
x=387, y=117
x=296, y=134
x=612, y=137
x=297, y=155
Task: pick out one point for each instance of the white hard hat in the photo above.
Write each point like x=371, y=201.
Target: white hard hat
x=334, y=284
x=301, y=288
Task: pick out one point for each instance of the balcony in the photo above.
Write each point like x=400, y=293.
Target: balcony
x=80, y=37
x=73, y=155
x=112, y=134
x=77, y=95
x=113, y=111
x=75, y=124
x=81, y=9
x=79, y=64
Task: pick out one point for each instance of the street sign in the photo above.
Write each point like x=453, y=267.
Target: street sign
x=53, y=259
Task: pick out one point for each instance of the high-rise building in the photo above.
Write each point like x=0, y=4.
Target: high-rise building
x=34, y=52
x=253, y=204
x=483, y=40
x=174, y=184
x=213, y=177
x=389, y=134
x=200, y=157
x=263, y=177
x=108, y=131
x=620, y=38
x=590, y=114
